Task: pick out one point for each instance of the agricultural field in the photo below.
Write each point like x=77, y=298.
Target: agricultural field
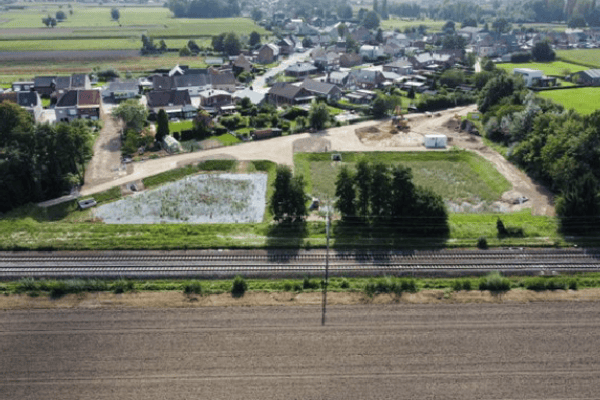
x=587, y=57
x=558, y=68
x=91, y=28
x=584, y=100
x=459, y=177
x=198, y=199
x=396, y=23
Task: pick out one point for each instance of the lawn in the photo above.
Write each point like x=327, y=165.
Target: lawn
x=227, y=139
x=456, y=175
x=584, y=100
x=551, y=68
x=587, y=57
x=180, y=126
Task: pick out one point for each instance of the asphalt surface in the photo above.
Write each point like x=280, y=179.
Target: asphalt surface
x=532, y=351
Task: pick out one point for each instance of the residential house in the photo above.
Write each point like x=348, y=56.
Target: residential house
x=267, y=54
x=29, y=100
x=531, y=77
x=361, y=35
x=328, y=61
x=286, y=93
x=174, y=102
x=365, y=79
x=23, y=86
x=75, y=104
x=193, y=83
x=162, y=83
x=47, y=85
x=118, y=90
x=241, y=64
x=400, y=67
x=431, y=60
x=361, y=96
x=349, y=60
x=300, y=70
x=591, y=77
x=370, y=52
x=44, y=85
x=215, y=98
x=339, y=78
x=256, y=98
x=322, y=89
x=392, y=49
x=286, y=46
x=223, y=80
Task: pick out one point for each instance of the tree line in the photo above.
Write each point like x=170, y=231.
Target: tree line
x=204, y=8
x=557, y=147
x=39, y=161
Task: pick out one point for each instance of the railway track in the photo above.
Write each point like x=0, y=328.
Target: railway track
x=280, y=263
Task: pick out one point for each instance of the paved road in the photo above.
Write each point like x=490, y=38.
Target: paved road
x=260, y=83
x=534, y=351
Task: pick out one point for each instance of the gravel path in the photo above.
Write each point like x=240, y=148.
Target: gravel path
x=510, y=351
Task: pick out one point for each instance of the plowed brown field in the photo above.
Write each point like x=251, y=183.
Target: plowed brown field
x=398, y=351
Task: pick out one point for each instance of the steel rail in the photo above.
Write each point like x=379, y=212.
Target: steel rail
x=278, y=263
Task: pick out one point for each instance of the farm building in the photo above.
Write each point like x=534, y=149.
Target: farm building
x=435, y=141
x=591, y=77
x=532, y=77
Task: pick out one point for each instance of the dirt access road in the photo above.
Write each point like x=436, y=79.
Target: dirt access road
x=400, y=351
x=281, y=151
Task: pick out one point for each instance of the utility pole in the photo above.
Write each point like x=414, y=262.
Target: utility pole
x=326, y=281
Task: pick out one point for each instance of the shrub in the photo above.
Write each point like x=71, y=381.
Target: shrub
x=344, y=284
x=26, y=285
x=309, y=284
x=494, y=282
x=239, y=286
x=193, y=288
x=482, y=243
x=408, y=285
x=122, y=286
x=573, y=284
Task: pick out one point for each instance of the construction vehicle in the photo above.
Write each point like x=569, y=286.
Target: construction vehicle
x=398, y=120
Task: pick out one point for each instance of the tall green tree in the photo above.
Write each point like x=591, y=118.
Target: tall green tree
x=318, y=115
x=345, y=193
x=115, y=14
x=133, y=114
x=218, y=42
x=380, y=192
x=232, y=44
x=288, y=202
x=542, y=51
x=363, y=188
x=162, y=125
x=254, y=39
x=371, y=20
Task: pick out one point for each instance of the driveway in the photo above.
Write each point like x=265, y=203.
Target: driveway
x=260, y=83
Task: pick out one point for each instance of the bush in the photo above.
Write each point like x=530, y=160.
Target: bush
x=482, y=243
x=344, y=284
x=26, y=285
x=193, y=288
x=494, y=282
x=122, y=286
x=309, y=284
x=217, y=165
x=239, y=286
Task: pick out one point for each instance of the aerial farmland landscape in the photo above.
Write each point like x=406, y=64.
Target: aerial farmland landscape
x=299, y=199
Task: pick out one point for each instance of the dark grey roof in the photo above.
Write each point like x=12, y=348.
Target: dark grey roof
x=44, y=81
x=319, y=87
x=193, y=71
x=63, y=82
x=160, y=82
x=399, y=64
x=69, y=99
x=168, y=98
x=185, y=81
x=224, y=78
x=78, y=80
x=301, y=67
x=118, y=86
x=286, y=90
x=366, y=76
x=27, y=99
x=592, y=73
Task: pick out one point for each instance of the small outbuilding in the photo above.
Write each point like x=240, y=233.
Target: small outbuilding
x=435, y=141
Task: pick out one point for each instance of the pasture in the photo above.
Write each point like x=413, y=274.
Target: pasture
x=557, y=68
x=397, y=23
x=458, y=176
x=586, y=57
x=583, y=100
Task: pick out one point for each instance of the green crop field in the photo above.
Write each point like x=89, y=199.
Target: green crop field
x=583, y=100
x=401, y=24
x=455, y=175
x=551, y=68
x=91, y=28
x=587, y=57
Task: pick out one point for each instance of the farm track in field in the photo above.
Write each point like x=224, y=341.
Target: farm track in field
x=282, y=263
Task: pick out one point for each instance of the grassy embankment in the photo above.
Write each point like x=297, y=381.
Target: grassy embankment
x=493, y=282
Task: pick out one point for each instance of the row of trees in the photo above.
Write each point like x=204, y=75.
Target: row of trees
x=559, y=148
x=380, y=194
x=39, y=161
x=204, y=8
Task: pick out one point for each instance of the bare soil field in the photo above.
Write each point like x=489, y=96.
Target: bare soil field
x=395, y=351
